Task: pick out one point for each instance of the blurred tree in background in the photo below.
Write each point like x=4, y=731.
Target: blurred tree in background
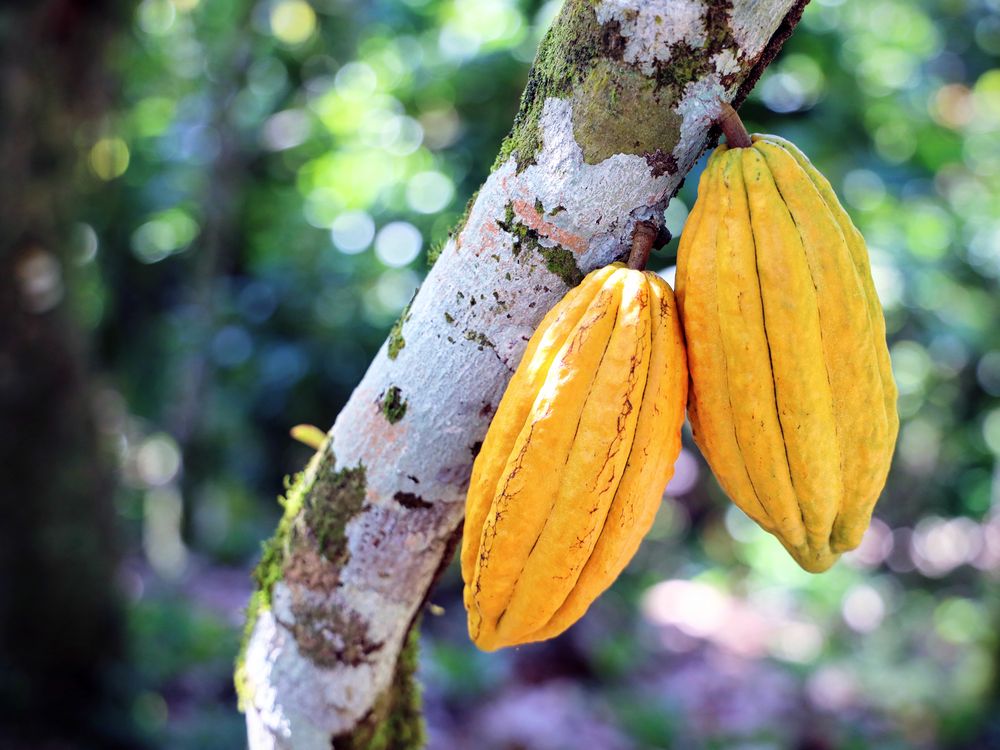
x=61, y=619
x=255, y=204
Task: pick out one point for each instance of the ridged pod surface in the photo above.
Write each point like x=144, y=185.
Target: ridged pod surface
x=792, y=399
x=574, y=464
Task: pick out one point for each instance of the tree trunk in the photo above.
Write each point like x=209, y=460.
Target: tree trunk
x=617, y=109
x=60, y=619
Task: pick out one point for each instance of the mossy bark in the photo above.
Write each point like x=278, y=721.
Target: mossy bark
x=611, y=119
x=311, y=543
x=395, y=722
x=619, y=109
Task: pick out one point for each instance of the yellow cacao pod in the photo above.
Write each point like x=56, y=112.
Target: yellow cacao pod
x=576, y=459
x=792, y=399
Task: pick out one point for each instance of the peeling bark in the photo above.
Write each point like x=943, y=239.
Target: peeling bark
x=617, y=109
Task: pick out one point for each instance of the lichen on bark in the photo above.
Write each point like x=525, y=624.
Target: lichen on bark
x=558, y=259
x=617, y=107
x=333, y=499
x=479, y=338
x=602, y=105
x=563, y=59
x=318, y=502
x=392, y=404
x=396, y=340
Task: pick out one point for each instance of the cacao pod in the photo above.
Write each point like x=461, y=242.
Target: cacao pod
x=792, y=399
x=575, y=461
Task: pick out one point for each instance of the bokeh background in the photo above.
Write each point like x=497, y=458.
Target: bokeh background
x=254, y=200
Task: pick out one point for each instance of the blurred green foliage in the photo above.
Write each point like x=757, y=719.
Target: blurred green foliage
x=259, y=209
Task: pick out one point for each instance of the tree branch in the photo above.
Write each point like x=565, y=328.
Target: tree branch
x=617, y=109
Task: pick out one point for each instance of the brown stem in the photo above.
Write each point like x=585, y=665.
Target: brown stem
x=731, y=124
x=642, y=244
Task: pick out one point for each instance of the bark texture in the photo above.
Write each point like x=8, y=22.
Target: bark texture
x=617, y=108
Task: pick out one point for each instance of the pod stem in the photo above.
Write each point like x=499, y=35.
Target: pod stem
x=642, y=244
x=733, y=127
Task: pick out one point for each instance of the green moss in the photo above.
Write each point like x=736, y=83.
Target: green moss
x=480, y=338
x=392, y=404
x=244, y=694
x=509, y=224
x=335, y=498
x=524, y=237
x=562, y=263
x=604, y=114
x=435, y=252
x=558, y=259
x=317, y=501
x=616, y=107
x=718, y=31
x=686, y=63
x=396, y=340
x=395, y=722
x=314, y=621
x=460, y=224
x=563, y=59
x=269, y=571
